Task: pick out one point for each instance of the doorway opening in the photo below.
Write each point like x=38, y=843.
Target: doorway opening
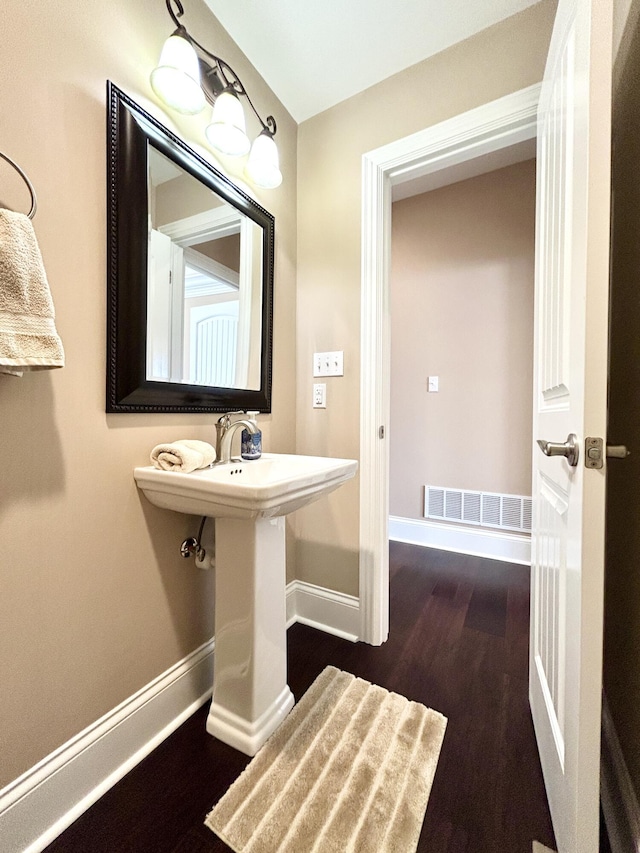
x=466, y=145
x=461, y=313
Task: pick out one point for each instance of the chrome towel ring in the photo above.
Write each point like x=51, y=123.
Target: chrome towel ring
x=34, y=202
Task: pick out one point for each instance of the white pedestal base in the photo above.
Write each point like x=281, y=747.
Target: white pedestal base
x=247, y=736
x=250, y=692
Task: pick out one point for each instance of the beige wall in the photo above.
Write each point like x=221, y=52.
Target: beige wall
x=622, y=578
x=179, y=198
x=225, y=250
x=462, y=309
x=500, y=60
x=95, y=600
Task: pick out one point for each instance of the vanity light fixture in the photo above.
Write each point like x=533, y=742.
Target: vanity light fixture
x=188, y=76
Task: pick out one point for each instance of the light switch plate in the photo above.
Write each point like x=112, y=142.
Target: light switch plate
x=433, y=384
x=328, y=363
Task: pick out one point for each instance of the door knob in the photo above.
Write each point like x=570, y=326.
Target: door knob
x=570, y=449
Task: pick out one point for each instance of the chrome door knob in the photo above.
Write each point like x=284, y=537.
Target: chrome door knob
x=570, y=449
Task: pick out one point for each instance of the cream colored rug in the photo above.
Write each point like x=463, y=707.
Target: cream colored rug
x=350, y=769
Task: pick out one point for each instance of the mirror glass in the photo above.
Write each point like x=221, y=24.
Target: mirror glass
x=190, y=276
x=203, y=284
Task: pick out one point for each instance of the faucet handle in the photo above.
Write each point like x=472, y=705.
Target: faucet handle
x=225, y=420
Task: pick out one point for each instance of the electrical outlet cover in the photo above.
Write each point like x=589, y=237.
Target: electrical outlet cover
x=319, y=395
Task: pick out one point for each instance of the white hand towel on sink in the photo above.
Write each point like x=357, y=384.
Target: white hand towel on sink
x=184, y=455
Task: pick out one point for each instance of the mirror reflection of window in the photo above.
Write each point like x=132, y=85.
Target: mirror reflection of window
x=204, y=294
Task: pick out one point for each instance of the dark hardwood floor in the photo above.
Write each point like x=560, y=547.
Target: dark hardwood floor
x=458, y=643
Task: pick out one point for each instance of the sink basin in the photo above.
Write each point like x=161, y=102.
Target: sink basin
x=274, y=485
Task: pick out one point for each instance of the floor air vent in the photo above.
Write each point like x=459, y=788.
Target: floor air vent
x=486, y=509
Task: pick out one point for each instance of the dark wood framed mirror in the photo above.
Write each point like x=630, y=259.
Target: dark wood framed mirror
x=190, y=276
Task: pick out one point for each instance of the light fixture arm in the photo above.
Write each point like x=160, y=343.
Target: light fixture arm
x=221, y=76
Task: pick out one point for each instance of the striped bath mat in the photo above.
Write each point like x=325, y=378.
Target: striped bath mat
x=350, y=769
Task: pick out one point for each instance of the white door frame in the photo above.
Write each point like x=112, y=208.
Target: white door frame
x=472, y=136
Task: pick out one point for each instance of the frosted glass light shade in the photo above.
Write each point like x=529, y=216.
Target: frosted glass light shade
x=227, y=129
x=263, y=165
x=176, y=80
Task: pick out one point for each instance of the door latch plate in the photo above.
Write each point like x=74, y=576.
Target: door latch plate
x=593, y=452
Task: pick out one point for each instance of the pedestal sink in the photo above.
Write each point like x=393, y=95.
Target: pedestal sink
x=248, y=501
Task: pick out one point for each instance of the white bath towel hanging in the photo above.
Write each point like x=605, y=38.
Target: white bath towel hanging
x=28, y=336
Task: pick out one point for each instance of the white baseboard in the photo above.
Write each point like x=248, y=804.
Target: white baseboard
x=330, y=611
x=495, y=545
x=44, y=801
x=617, y=795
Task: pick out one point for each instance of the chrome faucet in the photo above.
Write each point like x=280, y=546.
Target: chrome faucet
x=225, y=430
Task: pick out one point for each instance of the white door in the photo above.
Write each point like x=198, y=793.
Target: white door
x=159, y=300
x=572, y=254
x=211, y=342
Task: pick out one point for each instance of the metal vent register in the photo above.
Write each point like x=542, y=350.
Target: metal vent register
x=485, y=509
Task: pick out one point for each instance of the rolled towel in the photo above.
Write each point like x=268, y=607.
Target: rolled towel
x=184, y=455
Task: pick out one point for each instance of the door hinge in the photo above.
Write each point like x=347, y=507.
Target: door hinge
x=594, y=455
x=380, y=432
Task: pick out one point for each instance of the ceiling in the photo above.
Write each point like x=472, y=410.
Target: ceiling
x=315, y=53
